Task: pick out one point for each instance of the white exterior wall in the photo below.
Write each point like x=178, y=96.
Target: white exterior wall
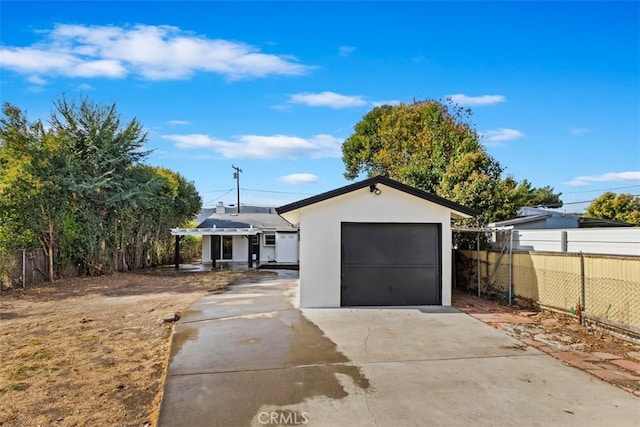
x=287, y=247
x=267, y=253
x=539, y=240
x=606, y=240
x=206, y=250
x=320, y=237
x=240, y=249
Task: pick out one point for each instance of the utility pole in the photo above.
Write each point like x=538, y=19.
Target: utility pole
x=236, y=175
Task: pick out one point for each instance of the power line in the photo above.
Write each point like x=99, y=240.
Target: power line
x=218, y=198
x=604, y=189
x=589, y=201
x=215, y=191
x=277, y=192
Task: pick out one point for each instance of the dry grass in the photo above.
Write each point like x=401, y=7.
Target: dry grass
x=92, y=351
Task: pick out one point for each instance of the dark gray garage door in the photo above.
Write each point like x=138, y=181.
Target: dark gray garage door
x=390, y=264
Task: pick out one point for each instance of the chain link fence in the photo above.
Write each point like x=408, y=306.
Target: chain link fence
x=604, y=288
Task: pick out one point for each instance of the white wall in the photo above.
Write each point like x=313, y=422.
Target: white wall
x=606, y=240
x=320, y=235
x=240, y=249
x=206, y=250
x=287, y=247
x=539, y=240
x=267, y=253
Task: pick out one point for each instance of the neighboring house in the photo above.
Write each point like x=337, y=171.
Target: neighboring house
x=276, y=240
x=375, y=242
x=257, y=233
x=553, y=231
x=540, y=219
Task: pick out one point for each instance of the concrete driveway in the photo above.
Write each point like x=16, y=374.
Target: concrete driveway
x=249, y=357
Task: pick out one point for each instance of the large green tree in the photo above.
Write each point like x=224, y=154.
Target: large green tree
x=33, y=184
x=433, y=146
x=80, y=190
x=621, y=207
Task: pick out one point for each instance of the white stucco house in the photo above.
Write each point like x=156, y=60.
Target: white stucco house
x=375, y=242
x=256, y=236
x=529, y=218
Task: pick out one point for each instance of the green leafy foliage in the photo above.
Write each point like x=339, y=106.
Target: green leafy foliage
x=80, y=191
x=432, y=146
x=621, y=207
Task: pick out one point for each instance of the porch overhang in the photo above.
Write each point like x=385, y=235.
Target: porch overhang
x=251, y=231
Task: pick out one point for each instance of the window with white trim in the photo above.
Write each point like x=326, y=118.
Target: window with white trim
x=269, y=239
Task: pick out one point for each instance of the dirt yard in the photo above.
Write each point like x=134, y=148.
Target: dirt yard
x=588, y=348
x=92, y=351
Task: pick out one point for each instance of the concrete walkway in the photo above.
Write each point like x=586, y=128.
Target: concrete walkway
x=249, y=357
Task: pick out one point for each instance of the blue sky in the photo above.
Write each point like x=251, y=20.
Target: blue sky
x=276, y=87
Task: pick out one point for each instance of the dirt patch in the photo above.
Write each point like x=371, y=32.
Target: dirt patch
x=584, y=347
x=93, y=351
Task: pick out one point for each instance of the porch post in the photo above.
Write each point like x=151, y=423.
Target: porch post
x=250, y=251
x=176, y=254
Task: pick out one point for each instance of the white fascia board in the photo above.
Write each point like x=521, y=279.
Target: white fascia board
x=215, y=231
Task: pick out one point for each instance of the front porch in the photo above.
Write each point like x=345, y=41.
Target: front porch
x=221, y=239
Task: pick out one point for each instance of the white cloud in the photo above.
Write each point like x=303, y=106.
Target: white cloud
x=178, y=123
x=151, y=52
x=327, y=99
x=263, y=146
x=299, y=178
x=84, y=87
x=36, y=80
x=581, y=181
x=580, y=131
x=499, y=136
x=346, y=50
x=462, y=99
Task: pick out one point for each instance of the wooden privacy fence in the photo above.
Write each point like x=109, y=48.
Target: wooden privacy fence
x=602, y=288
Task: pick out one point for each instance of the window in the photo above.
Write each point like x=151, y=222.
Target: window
x=255, y=240
x=270, y=239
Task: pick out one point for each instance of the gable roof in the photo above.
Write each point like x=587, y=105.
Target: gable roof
x=373, y=181
x=204, y=214
x=521, y=220
x=222, y=223
x=264, y=221
x=587, y=222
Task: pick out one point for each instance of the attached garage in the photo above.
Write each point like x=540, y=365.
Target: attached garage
x=374, y=243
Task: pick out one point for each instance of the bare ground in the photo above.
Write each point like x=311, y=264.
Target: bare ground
x=563, y=337
x=93, y=351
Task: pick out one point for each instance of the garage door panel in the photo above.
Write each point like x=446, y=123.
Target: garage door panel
x=389, y=244
x=390, y=264
x=375, y=285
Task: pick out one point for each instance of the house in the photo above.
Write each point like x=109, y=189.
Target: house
x=257, y=235
x=538, y=218
x=375, y=242
x=545, y=230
